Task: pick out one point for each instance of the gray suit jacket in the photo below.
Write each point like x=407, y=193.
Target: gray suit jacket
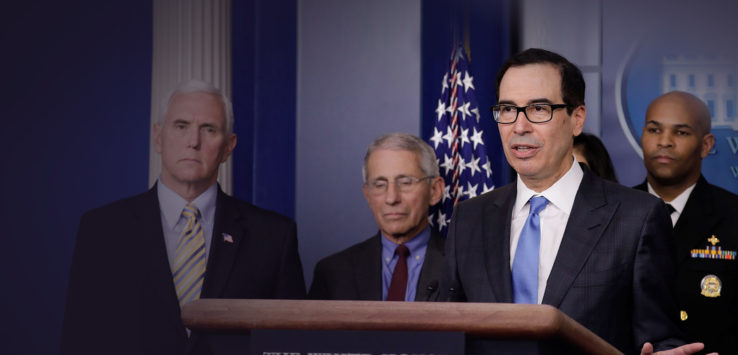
x=356, y=273
x=614, y=272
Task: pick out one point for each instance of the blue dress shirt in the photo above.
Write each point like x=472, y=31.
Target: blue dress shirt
x=417, y=247
x=173, y=223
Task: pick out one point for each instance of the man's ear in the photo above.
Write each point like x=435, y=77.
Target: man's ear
x=230, y=144
x=436, y=190
x=366, y=192
x=708, y=141
x=578, y=116
x=157, y=137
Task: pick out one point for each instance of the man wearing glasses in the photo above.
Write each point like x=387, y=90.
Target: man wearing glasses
x=560, y=235
x=404, y=260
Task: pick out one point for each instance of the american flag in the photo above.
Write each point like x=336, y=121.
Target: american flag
x=457, y=140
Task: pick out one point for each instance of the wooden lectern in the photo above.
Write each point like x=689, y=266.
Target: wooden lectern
x=476, y=320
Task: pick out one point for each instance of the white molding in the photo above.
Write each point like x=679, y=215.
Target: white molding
x=620, y=100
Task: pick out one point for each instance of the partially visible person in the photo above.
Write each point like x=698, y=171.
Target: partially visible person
x=560, y=235
x=676, y=137
x=404, y=261
x=589, y=150
x=139, y=260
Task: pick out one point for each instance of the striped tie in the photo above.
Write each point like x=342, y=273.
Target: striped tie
x=189, y=261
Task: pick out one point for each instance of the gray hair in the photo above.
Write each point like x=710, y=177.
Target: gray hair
x=194, y=85
x=407, y=142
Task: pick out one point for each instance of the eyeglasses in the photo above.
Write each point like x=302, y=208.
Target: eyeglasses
x=402, y=184
x=535, y=113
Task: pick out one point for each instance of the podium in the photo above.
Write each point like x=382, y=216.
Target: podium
x=496, y=322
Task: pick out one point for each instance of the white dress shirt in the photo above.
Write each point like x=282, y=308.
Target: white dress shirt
x=678, y=202
x=553, y=219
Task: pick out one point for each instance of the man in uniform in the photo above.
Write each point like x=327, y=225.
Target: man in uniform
x=676, y=137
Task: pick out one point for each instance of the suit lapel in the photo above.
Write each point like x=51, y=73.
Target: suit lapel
x=589, y=216
x=700, y=209
x=228, y=235
x=642, y=186
x=497, y=246
x=368, y=270
x=432, y=270
x=159, y=284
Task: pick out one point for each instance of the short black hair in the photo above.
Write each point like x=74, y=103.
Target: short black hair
x=572, y=81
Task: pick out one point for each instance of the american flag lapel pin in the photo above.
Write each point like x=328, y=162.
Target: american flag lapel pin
x=227, y=238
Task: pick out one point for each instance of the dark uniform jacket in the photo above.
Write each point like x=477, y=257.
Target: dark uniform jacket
x=708, y=282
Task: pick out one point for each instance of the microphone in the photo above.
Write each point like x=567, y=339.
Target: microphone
x=454, y=293
x=432, y=286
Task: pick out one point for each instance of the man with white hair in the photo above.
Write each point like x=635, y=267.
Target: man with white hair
x=404, y=260
x=137, y=261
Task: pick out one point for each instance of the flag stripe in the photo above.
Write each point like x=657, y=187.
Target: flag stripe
x=463, y=160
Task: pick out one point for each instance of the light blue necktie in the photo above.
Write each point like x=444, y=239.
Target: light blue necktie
x=525, y=264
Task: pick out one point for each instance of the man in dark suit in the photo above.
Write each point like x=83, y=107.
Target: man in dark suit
x=559, y=235
x=137, y=261
x=676, y=137
x=401, y=181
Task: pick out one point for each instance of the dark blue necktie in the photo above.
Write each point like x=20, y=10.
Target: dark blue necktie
x=525, y=264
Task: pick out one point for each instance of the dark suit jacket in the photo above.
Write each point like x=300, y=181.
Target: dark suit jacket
x=356, y=273
x=709, y=211
x=613, y=273
x=121, y=297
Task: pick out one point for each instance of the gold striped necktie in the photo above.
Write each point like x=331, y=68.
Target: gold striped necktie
x=189, y=261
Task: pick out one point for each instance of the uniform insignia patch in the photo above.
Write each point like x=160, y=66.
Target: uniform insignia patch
x=711, y=286
x=713, y=251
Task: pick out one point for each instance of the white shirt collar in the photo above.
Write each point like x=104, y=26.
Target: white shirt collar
x=171, y=204
x=678, y=202
x=561, y=194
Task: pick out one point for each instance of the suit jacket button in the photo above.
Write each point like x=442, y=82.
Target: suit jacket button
x=683, y=315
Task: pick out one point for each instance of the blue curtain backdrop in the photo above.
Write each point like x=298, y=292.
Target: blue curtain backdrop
x=75, y=93
x=264, y=102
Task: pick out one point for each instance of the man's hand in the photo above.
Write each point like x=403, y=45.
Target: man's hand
x=682, y=350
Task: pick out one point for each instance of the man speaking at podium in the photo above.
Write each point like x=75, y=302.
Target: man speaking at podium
x=137, y=261
x=560, y=235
